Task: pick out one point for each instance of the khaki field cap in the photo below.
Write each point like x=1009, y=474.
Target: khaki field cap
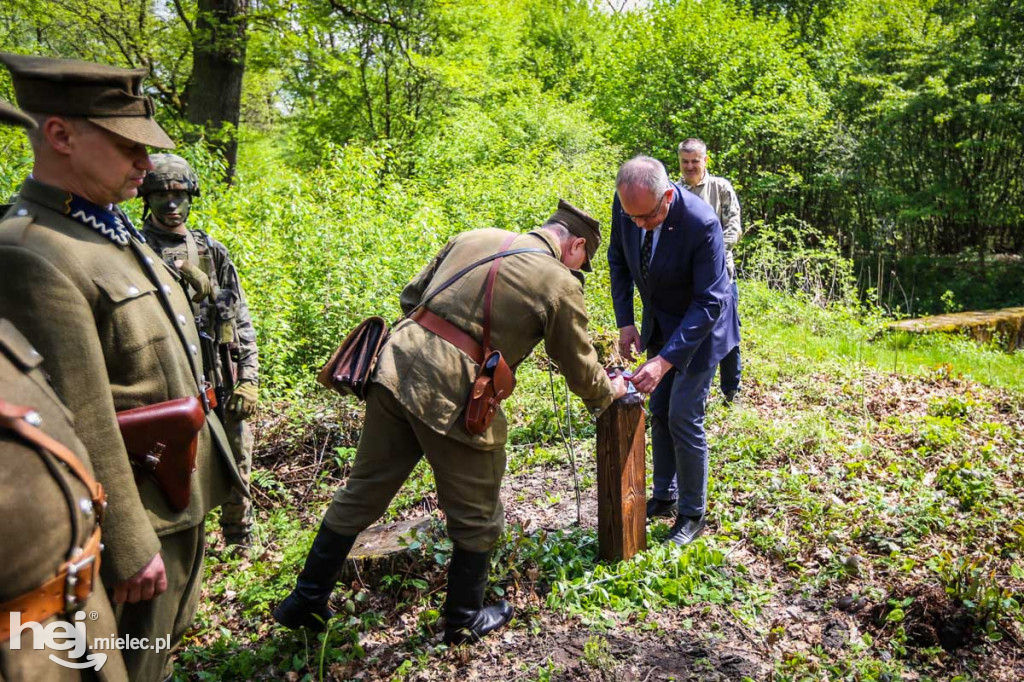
x=107, y=96
x=581, y=225
x=15, y=117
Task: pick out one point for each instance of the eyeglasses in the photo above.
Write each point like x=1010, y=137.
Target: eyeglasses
x=649, y=215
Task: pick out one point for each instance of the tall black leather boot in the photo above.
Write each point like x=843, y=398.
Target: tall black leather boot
x=466, y=617
x=307, y=606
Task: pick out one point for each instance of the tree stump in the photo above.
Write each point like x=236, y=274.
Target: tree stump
x=383, y=550
x=982, y=326
x=621, y=505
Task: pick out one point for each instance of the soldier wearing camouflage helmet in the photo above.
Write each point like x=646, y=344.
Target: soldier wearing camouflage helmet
x=110, y=326
x=211, y=281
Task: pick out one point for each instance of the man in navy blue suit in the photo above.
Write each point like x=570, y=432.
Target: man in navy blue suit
x=668, y=244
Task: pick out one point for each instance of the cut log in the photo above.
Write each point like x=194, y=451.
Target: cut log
x=1006, y=325
x=621, y=506
x=384, y=550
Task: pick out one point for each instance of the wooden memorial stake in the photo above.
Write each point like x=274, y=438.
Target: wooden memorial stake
x=621, y=503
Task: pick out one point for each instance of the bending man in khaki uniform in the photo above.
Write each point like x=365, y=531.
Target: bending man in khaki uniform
x=414, y=406
x=230, y=358
x=51, y=527
x=115, y=330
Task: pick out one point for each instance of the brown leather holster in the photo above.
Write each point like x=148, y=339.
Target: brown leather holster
x=76, y=577
x=162, y=441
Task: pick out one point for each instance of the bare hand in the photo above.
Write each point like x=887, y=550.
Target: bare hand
x=618, y=386
x=648, y=375
x=629, y=338
x=149, y=582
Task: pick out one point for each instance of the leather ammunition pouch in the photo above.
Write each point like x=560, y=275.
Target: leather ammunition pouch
x=351, y=366
x=162, y=441
x=76, y=577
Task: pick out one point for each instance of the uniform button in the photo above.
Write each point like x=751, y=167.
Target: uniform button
x=193, y=348
x=166, y=288
x=33, y=418
x=21, y=212
x=33, y=352
x=133, y=291
x=86, y=506
x=149, y=261
x=181, y=319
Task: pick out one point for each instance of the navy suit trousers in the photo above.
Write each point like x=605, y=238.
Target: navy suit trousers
x=678, y=443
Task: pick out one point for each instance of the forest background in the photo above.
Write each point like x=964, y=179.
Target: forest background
x=361, y=135
x=875, y=146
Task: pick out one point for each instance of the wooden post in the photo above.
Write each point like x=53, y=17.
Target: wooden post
x=621, y=504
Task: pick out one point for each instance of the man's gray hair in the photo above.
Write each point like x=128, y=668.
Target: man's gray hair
x=643, y=171
x=693, y=144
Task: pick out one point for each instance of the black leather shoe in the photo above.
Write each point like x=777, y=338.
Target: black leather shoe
x=732, y=396
x=661, y=508
x=306, y=606
x=686, y=529
x=466, y=617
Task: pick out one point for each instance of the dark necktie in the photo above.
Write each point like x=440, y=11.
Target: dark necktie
x=645, y=253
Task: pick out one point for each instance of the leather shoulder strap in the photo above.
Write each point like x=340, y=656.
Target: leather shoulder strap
x=472, y=266
x=12, y=418
x=489, y=293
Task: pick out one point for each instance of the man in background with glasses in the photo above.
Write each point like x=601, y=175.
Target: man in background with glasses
x=668, y=244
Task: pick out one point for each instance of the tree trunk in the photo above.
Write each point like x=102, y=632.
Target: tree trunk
x=218, y=66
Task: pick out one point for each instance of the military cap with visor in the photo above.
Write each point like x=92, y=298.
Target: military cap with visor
x=107, y=96
x=580, y=224
x=13, y=116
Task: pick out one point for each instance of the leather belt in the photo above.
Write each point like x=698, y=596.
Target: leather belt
x=75, y=579
x=61, y=594
x=450, y=333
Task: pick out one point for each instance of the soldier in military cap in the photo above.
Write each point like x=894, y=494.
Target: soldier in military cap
x=230, y=358
x=115, y=331
x=414, y=407
x=52, y=505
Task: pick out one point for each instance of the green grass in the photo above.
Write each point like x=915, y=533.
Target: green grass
x=858, y=467
x=793, y=333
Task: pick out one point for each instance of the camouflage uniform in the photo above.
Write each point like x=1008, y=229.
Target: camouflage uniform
x=230, y=356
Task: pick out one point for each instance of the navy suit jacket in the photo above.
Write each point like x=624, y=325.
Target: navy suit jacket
x=688, y=296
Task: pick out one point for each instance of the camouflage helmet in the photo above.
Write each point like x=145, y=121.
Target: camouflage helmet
x=167, y=169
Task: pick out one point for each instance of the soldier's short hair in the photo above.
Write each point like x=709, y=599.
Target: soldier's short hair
x=693, y=144
x=643, y=171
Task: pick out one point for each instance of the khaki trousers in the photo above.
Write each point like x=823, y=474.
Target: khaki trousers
x=171, y=613
x=392, y=442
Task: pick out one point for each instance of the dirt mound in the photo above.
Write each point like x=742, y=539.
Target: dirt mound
x=930, y=618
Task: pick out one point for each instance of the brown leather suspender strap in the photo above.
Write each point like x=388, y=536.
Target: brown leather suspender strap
x=12, y=417
x=492, y=274
x=451, y=333
x=76, y=577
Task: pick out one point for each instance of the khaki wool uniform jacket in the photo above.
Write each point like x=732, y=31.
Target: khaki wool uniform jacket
x=88, y=306
x=535, y=298
x=36, y=533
